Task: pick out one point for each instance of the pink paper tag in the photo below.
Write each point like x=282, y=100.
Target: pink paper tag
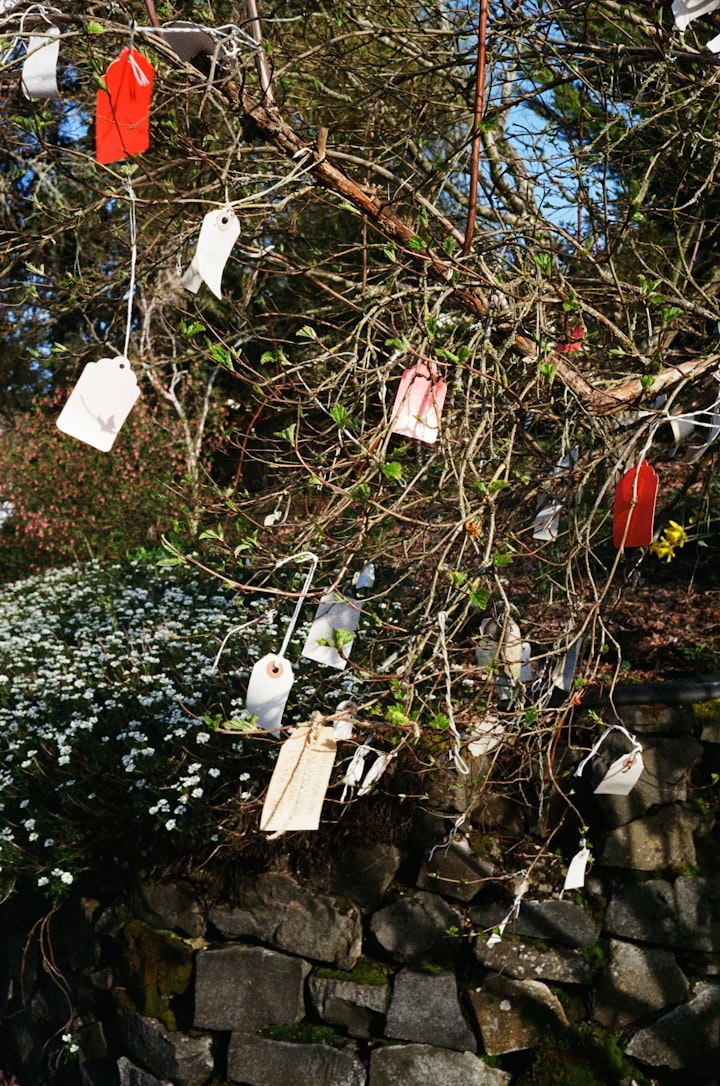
x=418, y=405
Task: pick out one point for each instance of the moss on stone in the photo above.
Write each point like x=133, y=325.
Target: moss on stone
x=705, y=711
x=304, y=1034
x=365, y=972
x=158, y=970
x=584, y=1055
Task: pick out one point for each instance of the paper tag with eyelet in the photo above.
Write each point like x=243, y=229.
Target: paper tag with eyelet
x=40, y=65
x=575, y=878
x=622, y=776
x=418, y=405
x=633, y=523
x=332, y=629
x=100, y=402
x=268, y=688
x=299, y=782
x=219, y=231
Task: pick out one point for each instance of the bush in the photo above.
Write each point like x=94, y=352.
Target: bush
x=71, y=502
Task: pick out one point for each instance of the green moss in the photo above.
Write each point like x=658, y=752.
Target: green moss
x=597, y=955
x=705, y=711
x=584, y=1055
x=158, y=971
x=365, y=972
x=303, y=1034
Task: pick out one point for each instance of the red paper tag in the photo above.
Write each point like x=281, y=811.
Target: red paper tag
x=122, y=122
x=574, y=343
x=640, y=527
x=418, y=405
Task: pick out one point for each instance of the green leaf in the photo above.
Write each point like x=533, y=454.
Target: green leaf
x=416, y=244
x=221, y=355
x=94, y=28
x=498, y=484
x=392, y=470
x=479, y=597
x=547, y=370
x=341, y=415
x=192, y=328
x=669, y=313
x=306, y=332
x=288, y=433
x=543, y=262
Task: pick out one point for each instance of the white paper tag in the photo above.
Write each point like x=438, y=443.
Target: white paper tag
x=687, y=10
x=40, y=65
x=563, y=673
x=332, y=614
x=268, y=688
x=547, y=522
x=299, y=782
x=575, y=878
x=485, y=737
x=100, y=402
x=366, y=577
x=622, y=776
x=343, y=726
x=219, y=232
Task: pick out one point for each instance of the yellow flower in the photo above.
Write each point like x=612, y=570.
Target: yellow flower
x=663, y=549
x=675, y=534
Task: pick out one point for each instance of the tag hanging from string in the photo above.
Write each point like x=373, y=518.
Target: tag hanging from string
x=300, y=781
x=272, y=676
x=39, y=69
x=418, y=404
x=575, y=877
x=100, y=402
x=633, y=523
x=106, y=391
x=219, y=231
x=331, y=636
x=624, y=773
x=122, y=109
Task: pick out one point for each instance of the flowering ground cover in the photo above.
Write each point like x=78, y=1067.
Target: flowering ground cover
x=107, y=673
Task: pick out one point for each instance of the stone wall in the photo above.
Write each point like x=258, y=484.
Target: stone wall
x=376, y=967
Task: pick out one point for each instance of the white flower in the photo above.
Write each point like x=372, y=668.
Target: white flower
x=202, y=737
x=170, y=824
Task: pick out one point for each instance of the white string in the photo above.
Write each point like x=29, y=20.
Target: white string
x=269, y=616
x=512, y=912
x=133, y=261
x=450, y=837
x=460, y=765
x=304, y=556
x=229, y=31
x=636, y=746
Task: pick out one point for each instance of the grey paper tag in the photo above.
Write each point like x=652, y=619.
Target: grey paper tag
x=336, y=620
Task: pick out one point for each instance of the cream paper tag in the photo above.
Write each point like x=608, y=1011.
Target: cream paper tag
x=40, y=65
x=333, y=614
x=622, y=776
x=299, y=782
x=268, y=688
x=575, y=878
x=100, y=402
x=219, y=232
